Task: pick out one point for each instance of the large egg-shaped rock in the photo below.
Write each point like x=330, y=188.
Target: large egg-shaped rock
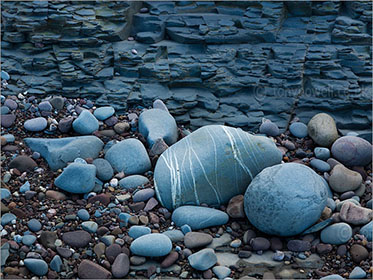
x=211, y=165
x=285, y=199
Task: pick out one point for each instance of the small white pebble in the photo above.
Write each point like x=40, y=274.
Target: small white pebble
x=134, y=51
x=114, y=182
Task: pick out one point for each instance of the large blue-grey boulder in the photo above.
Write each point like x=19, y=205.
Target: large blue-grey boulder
x=211, y=165
x=77, y=178
x=129, y=156
x=86, y=123
x=157, y=123
x=58, y=152
x=198, y=217
x=285, y=199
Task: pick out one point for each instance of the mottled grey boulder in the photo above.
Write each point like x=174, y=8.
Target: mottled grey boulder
x=352, y=150
x=157, y=123
x=211, y=165
x=323, y=130
x=58, y=152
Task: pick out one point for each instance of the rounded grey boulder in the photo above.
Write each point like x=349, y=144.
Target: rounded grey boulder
x=211, y=165
x=285, y=199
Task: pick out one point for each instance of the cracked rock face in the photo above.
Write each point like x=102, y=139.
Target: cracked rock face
x=211, y=165
x=285, y=199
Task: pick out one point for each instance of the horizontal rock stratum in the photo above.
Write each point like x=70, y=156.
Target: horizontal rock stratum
x=211, y=165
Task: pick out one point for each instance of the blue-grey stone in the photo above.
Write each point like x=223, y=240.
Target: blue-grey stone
x=104, y=170
x=83, y=214
x=25, y=187
x=157, y=123
x=4, y=75
x=175, y=235
x=45, y=106
x=332, y=277
x=198, y=217
x=129, y=156
x=336, y=234
x=123, y=219
x=331, y=203
x=298, y=129
x=5, y=193
x=151, y=245
x=36, y=266
x=36, y=124
x=4, y=253
x=158, y=104
x=34, y=225
x=320, y=165
x=108, y=239
x=104, y=113
x=211, y=165
x=143, y=195
x=185, y=228
x=322, y=153
x=285, y=199
x=203, y=259
x=28, y=240
x=7, y=218
x=9, y=138
x=4, y=110
x=77, y=178
x=137, y=231
x=90, y=226
x=357, y=273
x=319, y=226
x=367, y=231
x=351, y=151
x=56, y=263
x=86, y=123
x=58, y=152
x=269, y=128
x=221, y=271
x=133, y=181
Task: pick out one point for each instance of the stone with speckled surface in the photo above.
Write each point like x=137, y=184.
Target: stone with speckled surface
x=285, y=199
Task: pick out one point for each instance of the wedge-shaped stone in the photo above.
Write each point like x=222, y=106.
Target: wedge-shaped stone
x=58, y=152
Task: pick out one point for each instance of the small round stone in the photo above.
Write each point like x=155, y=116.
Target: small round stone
x=269, y=128
x=34, y=225
x=298, y=129
x=36, y=124
x=83, y=215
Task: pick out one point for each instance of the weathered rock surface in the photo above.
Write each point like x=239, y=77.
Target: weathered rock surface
x=186, y=173
x=317, y=55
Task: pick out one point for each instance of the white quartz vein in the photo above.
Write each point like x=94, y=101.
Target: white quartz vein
x=236, y=152
x=205, y=175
